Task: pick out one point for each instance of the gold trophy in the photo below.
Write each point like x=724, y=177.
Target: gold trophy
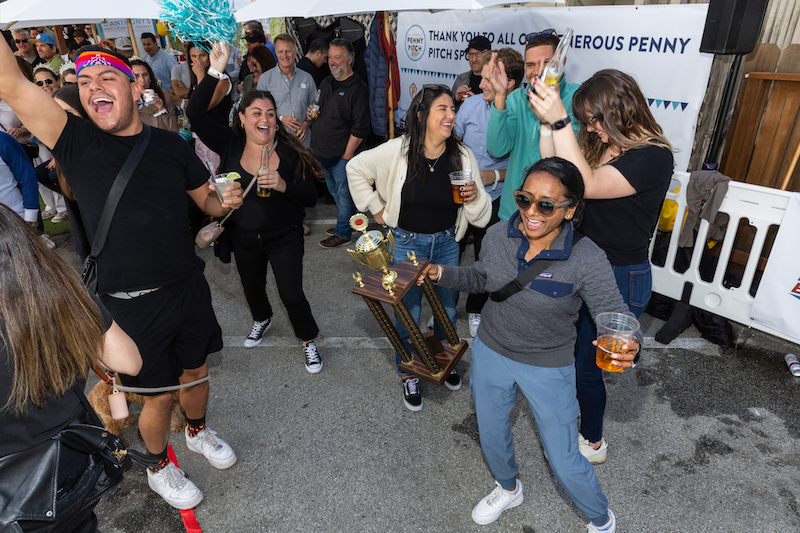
x=429, y=359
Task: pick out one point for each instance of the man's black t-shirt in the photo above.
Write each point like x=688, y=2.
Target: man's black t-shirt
x=36, y=425
x=149, y=243
x=622, y=227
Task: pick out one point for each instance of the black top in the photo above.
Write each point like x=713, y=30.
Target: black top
x=319, y=74
x=622, y=227
x=428, y=208
x=475, y=83
x=256, y=214
x=149, y=244
x=36, y=425
x=344, y=111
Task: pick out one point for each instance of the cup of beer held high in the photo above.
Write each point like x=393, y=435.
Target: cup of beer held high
x=457, y=180
x=613, y=331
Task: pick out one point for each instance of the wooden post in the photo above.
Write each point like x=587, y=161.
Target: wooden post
x=133, y=39
x=61, y=44
x=94, y=34
x=790, y=170
x=387, y=27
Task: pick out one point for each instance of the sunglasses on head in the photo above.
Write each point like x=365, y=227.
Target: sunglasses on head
x=48, y=81
x=544, y=207
x=544, y=34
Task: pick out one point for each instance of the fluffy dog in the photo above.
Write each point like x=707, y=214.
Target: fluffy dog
x=98, y=399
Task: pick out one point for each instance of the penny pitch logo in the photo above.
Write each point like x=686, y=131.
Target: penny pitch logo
x=412, y=90
x=415, y=43
x=796, y=291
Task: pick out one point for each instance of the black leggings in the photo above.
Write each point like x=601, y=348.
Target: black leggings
x=282, y=248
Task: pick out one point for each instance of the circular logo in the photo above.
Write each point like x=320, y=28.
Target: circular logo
x=412, y=90
x=415, y=43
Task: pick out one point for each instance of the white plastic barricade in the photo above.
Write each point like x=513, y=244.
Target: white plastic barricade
x=762, y=207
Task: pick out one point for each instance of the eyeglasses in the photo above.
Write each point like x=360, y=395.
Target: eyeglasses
x=592, y=120
x=70, y=83
x=545, y=207
x=48, y=81
x=20, y=41
x=544, y=34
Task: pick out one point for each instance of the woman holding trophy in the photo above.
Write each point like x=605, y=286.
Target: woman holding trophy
x=268, y=227
x=538, y=271
x=406, y=184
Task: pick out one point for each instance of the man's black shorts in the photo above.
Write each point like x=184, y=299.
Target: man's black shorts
x=174, y=327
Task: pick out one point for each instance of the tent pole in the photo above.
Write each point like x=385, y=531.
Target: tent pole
x=389, y=91
x=133, y=39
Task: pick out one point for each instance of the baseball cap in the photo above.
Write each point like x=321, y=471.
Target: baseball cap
x=479, y=43
x=43, y=38
x=255, y=36
x=123, y=43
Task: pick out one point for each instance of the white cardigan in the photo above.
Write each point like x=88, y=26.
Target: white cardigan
x=376, y=179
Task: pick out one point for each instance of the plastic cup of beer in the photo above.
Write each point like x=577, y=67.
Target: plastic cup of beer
x=613, y=331
x=457, y=180
x=222, y=182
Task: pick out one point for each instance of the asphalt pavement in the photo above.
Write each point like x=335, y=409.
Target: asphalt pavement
x=701, y=438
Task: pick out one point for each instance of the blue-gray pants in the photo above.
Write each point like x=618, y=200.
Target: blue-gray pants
x=494, y=381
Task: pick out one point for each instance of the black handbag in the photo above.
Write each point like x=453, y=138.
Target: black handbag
x=31, y=495
x=89, y=274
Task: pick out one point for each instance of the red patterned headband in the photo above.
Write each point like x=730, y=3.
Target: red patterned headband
x=90, y=59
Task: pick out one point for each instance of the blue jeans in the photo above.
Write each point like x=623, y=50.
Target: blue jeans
x=494, y=382
x=336, y=180
x=439, y=248
x=635, y=282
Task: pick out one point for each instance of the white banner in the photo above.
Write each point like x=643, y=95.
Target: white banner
x=777, y=301
x=657, y=45
x=113, y=29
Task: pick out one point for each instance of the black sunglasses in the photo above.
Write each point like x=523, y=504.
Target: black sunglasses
x=20, y=41
x=70, y=83
x=48, y=81
x=592, y=120
x=544, y=34
x=545, y=207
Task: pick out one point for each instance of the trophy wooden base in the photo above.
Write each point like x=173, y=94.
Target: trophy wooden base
x=430, y=359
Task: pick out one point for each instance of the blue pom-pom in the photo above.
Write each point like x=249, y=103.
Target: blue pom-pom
x=200, y=20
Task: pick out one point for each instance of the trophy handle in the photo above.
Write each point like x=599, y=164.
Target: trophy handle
x=390, y=238
x=354, y=254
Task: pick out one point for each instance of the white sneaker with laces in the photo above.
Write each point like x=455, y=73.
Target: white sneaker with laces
x=257, y=333
x=59, y=217
x=608, y=527
x=492, y=506
x=218, y=452
x=595, y=457
x=474, y=322
x=313, y=360
x=171, y=484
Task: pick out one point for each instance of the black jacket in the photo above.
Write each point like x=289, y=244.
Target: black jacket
x=344, y=111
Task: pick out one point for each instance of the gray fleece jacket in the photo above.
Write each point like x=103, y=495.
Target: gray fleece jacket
x=536, y=326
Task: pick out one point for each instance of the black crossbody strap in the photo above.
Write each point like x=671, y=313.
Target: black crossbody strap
x=117, y=189
x=528, y=275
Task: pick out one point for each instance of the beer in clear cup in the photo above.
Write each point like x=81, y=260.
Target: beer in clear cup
x=613, y=331
x=457, y=180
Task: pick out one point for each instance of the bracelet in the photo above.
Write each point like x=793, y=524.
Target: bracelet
x=216, y=74
x=545, y=133
x=162, y=112
x=496, y=179
x=438, y=273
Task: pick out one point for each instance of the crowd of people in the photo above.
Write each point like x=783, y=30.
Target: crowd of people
x=568, y=178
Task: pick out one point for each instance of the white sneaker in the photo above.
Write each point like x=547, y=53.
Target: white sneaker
x=609, y=527
x=313, y=361
x=59, y=217
x=171, y=484
x=595, y=457
x=218, y=452
x=474, y=322
x=492, y=506
x=257, y=333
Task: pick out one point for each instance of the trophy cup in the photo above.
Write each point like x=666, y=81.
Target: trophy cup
x=429, y=359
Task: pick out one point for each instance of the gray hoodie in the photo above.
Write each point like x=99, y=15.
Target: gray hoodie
x=536, y=326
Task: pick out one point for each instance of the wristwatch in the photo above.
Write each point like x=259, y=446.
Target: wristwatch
x=558, y=124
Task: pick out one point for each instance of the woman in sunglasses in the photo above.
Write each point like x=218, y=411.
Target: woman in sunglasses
x=46, y=78
x=55, y=207
x=67, y=74
x=626, y=163
x=405, y=184
x=526, y=341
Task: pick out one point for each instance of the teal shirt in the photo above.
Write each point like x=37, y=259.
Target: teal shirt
x=516, y=130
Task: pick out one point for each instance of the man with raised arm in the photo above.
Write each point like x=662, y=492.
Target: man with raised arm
x=148, y=277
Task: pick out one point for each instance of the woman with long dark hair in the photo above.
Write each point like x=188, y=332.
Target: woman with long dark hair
x=51, y=333
x=160, y=113
x=260, y=60
x=626, y=163
x=267, y=229
x=404, y=183
x=526, y=342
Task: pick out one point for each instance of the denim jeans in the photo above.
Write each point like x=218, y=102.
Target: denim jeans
x=439, y=248
x=336, y=180
x=635, y=284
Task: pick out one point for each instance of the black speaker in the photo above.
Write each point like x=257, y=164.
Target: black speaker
x=732, y=26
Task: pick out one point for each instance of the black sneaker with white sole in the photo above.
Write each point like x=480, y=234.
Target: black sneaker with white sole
x=313, y=360
x=257, y=333
x=412, y=395
x=453, y=381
